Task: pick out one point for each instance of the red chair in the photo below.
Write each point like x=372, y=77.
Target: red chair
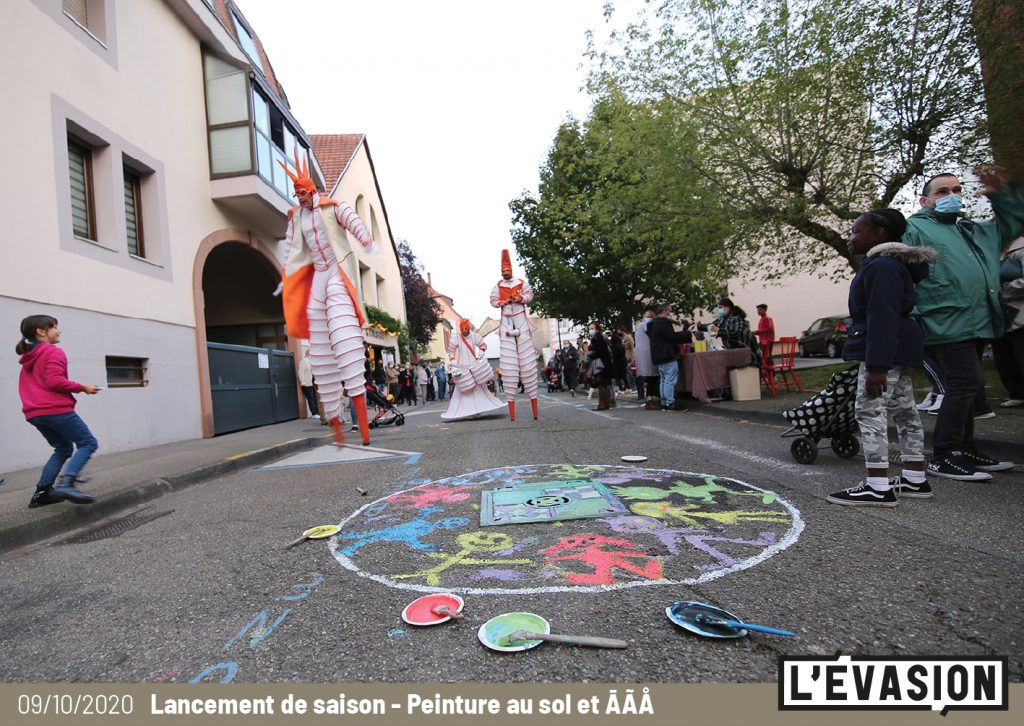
x=777, y=368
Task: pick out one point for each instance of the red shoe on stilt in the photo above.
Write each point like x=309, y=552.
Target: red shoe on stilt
x=512, y=410
x=339, y=434
x=533, y=402
x=359, y=402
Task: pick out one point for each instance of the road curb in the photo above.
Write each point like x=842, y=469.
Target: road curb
x=70, y=518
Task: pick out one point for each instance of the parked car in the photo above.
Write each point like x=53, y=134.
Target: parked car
x=825, y=336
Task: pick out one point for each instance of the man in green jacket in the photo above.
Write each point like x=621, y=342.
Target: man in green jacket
x=958, y=307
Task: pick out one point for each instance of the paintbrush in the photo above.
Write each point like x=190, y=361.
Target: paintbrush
x=523, y=635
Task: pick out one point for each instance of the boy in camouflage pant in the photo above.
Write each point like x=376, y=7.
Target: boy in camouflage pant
x=887, y=342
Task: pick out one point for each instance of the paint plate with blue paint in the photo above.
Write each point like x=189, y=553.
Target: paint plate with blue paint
x=495, y=632
x=701, y=619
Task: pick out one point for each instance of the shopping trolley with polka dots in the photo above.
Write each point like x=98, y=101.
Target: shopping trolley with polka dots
x=830, y=414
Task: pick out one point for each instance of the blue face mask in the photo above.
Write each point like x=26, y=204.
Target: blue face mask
x=647, y=321
x=949, y=204
x=720, y=312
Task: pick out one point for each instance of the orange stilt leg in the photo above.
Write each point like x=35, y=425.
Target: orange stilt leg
x=339, y=434
x=533, y=403
x=359, y=402
x=512, y=410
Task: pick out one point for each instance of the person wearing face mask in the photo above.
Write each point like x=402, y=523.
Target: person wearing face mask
x=958, y=306
x=734, y=330
x=570, y=367
x=646, y=373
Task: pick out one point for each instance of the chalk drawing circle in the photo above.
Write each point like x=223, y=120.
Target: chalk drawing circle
x=681, y=528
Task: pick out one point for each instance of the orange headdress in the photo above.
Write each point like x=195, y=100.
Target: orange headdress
x=464, y=326
x=506, y=262
x=302, y=180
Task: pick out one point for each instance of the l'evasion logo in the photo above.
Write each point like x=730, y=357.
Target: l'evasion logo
x=940, y=683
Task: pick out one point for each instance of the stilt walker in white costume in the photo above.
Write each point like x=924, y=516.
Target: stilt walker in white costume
x=471, y=372
x=518, y=356
x=322, y=298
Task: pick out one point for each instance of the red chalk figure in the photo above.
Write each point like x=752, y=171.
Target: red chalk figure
x=591, y=552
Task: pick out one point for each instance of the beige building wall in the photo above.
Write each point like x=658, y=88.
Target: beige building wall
x=138, y=97
x=793, y=302
x=380, y=276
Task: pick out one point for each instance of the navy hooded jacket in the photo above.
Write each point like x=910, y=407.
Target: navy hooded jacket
x=882, y=295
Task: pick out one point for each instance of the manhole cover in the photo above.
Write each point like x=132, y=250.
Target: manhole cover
x=549, y=501
x=116, y=528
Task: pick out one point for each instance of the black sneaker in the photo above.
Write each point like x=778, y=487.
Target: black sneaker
x=73, y=494
x=984, y=462
x=42, y=497
x=906, y=488
x=864, y=496
x=956, y=466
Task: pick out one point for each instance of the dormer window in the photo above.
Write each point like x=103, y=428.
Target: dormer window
x=247, y=43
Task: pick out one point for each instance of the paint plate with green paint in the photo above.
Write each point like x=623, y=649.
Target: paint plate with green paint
x=496, y=631
x=549, y=501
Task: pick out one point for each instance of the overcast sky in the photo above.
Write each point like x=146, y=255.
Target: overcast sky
x=459, y=100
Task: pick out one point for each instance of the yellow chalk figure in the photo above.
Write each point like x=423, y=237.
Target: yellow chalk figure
x=688, y=514
x=470, y=542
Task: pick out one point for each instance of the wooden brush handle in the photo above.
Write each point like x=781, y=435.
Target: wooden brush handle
x=589, y=641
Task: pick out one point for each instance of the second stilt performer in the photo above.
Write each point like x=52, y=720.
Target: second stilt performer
x=518, y=356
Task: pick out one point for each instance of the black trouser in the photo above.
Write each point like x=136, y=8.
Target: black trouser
x=961, y=363
x=1009, y=355
x=310, y=393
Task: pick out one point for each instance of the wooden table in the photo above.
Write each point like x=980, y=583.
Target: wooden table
x=700, y=372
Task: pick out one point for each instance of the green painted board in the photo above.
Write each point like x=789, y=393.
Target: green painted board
x=549, y=501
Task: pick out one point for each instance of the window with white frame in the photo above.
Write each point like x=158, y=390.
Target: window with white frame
x=90, y=15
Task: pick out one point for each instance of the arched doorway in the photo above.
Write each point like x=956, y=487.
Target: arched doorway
x=246, y=359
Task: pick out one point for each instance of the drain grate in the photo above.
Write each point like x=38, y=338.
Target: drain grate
x=115, y=529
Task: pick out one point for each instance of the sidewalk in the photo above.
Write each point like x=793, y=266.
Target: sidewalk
x=129, y=478
x=1001, y=437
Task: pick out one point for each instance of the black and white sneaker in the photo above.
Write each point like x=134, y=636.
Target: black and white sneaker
x=864, y=496
x=983, y=462
x=906, y=488
x=956, y=466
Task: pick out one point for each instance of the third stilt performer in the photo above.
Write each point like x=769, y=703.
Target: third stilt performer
x=518, y=356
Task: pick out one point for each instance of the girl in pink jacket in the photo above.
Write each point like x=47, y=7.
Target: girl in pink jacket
x=49, y=406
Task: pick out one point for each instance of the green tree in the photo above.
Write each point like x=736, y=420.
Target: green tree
x=614, y=227
x=421, y=310
x=808, y=111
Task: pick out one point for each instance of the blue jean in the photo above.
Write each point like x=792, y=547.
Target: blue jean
x=61, y=430
x=669, y=373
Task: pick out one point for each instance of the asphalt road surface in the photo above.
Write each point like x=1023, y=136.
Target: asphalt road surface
x=208, y=592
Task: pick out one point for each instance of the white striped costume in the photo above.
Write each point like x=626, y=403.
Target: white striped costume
x=518, y=356
x=463, y=352
x=335, y=334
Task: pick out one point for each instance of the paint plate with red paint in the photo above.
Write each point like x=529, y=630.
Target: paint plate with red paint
x=432, y=609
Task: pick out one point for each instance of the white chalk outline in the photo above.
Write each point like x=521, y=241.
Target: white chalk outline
x=791, y=536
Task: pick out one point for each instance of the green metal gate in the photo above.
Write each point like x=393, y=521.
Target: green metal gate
x=251, y=386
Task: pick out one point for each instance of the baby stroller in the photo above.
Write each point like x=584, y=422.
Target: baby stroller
x=830, y=414
x=387, y=413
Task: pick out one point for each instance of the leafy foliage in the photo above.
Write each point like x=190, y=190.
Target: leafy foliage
x=376, y=316
x=805, y=112
x=615, y=228
x=421, y=310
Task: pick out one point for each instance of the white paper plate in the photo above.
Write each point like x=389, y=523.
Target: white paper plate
x=634, y=459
